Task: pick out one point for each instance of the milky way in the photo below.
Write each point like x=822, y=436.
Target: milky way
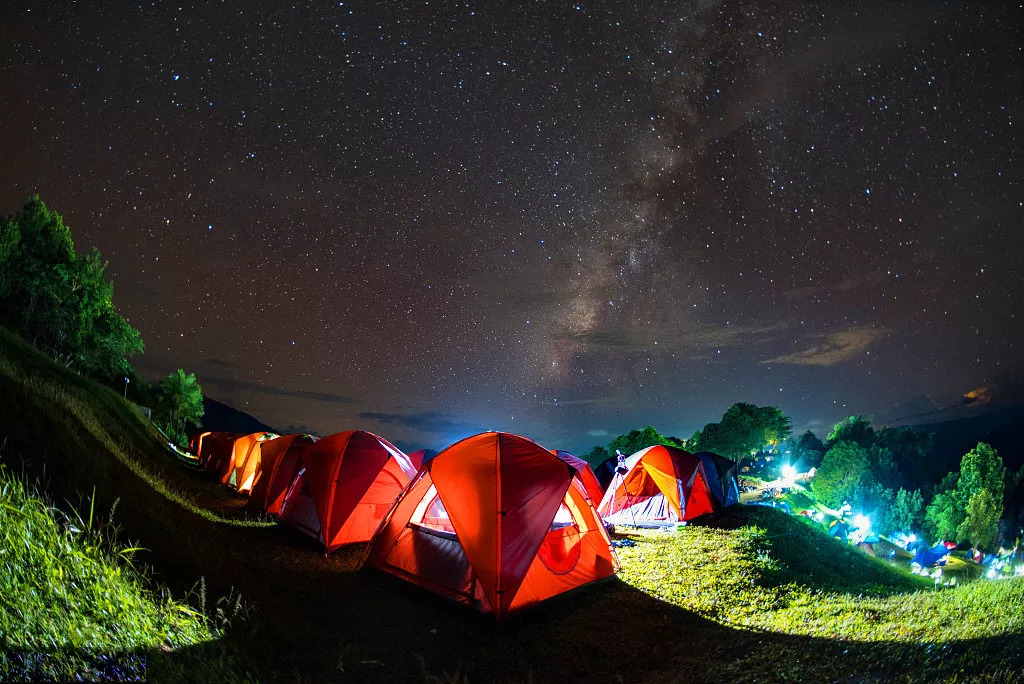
x=564, y=219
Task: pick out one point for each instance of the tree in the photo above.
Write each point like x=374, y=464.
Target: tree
x=744, y=429
x=909, y=447
x=907, y=511
x=58, y=300
x=981, y=522
x=596, y=456
x=635, y=440
x=181, y=400
x=855, y=429
x=845, y=469
x=807, y=450
x=958, y=511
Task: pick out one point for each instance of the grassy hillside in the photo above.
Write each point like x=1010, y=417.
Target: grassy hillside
x=72, y=604
x=749, y=595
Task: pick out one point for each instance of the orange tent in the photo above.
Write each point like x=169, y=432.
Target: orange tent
x=346, y=485
x=213, y=448
x=279, y=464
x=497, y=522
x=586, y=473
x=249, y=470
x=244, y=445
x=663, y=485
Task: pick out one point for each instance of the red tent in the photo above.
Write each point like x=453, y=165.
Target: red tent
x=418, y=457
x=279, y=464
x=586, y=473
x=346, y=484
x=497, y=522
x=663, y=485
x=213, y=449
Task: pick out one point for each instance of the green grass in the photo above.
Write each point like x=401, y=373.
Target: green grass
x=748, y=595
x=71, y=604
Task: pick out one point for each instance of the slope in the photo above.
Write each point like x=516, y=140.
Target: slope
x=720, y=601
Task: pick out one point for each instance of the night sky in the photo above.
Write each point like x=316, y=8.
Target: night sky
x=561, y=219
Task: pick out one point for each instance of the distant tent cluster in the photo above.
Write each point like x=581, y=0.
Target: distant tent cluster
x=494, y=521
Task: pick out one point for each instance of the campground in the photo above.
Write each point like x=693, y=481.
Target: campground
x=750, y=594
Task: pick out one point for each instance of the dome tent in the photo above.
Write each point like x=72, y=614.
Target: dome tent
x=279, y=464
x=662, y=486
x=721, y=477
x=344, y=487
x=214, y=448
x=586, y=473
x=231, y=469
x=496, y=522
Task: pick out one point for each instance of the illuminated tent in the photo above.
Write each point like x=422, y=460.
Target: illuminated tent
x=586, y=474
x=496, y=522
x=931, y=556
x=721, y=474
x=214, y=448
x=345, y=486
x=420, y=457
x=839, y=529
x=663, y=485
x=231, y=469
x=279, y=464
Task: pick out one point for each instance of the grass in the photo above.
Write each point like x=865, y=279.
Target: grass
x=748, y=595
x=72, y=604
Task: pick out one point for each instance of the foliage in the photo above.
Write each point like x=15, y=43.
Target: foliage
x=981, y=522
x=855, y=429
x=959, y=511
x=907, y=511
x=909, y=449
x=744, y=429
x=807, y=450
x=845, y=469
x=58, y=299
x=596, y=456
x=71, y=603
x=635, y=440
x=181, y=400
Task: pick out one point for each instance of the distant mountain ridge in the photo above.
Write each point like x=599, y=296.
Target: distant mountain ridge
x=954, y=434
x=219, y=417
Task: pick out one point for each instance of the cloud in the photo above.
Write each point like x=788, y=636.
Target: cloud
x=838, y=347
x=598, y=433
x=702, y=338
x=246, y=385
x=1000, y=390
x=426, y=421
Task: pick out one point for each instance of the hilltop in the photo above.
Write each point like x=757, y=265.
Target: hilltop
x=747, y=595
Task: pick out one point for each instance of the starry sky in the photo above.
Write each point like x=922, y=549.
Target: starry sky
x=562, y=219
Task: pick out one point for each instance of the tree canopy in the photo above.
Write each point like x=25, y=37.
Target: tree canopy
x=969, y=503
x=807, y=450
x=181, y=400
x=58, y=300
x=744, y=429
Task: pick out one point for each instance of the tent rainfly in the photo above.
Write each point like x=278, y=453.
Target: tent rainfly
x=231, y=473
x=278, y=466
x=586, y=473
x=214, y=448
x=344, y=487
x=662, y=486
x=721, y=473
x=496, y=522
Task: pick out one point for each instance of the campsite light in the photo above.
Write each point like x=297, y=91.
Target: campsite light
x=862, y=522
x=991, y=574
x=1019, y=571
x=788, y=475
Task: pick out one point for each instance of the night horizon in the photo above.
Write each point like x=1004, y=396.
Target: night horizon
x=561, y=221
